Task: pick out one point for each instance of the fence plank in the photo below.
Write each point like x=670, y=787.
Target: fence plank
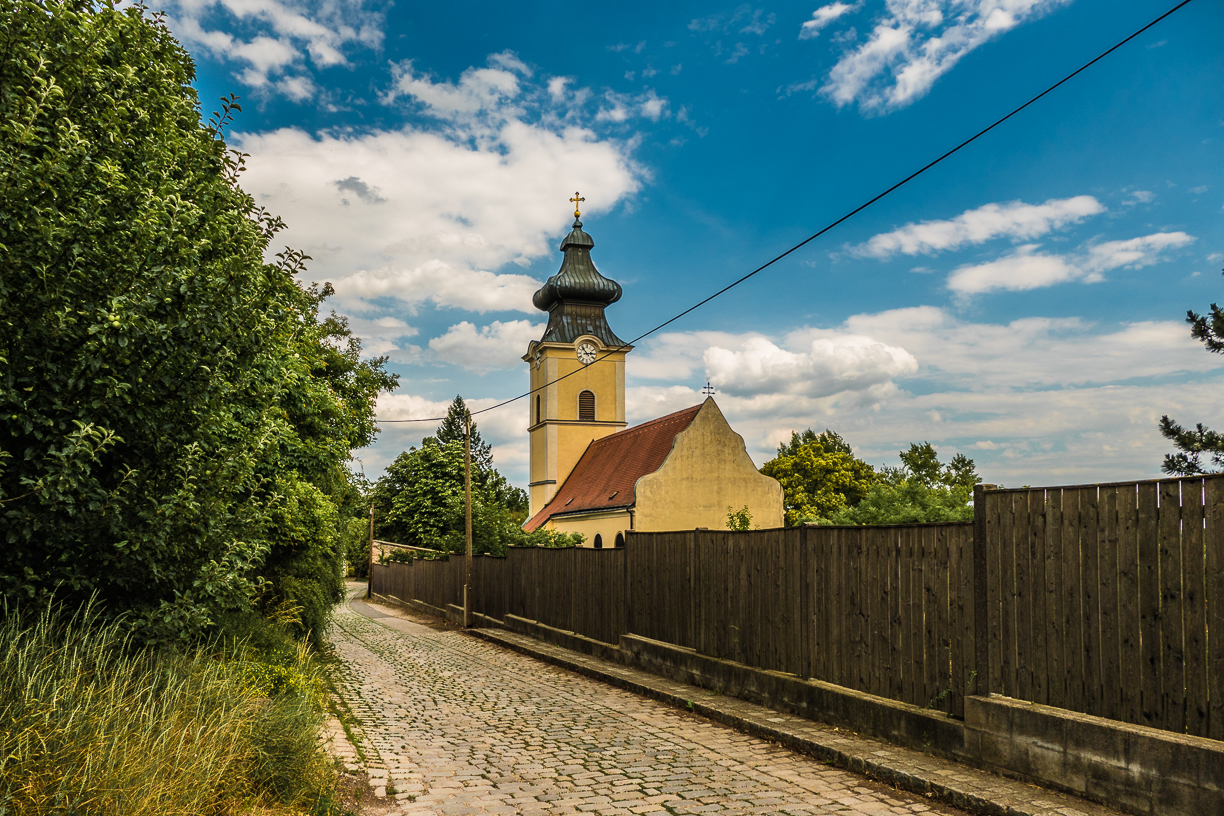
x=994, y=588
x=1007, y=595
x=960, y=572
x=1056, y=677
x=1090, y=589
x=930, y=617
x=862, y=669
x=943, y=625
x=1107, y=566
x=1195, y=610
x=895, y=538
x=1073, y=620
x=1037, y=596
x=821, y=603
x=837, y=611
x=1213, y=540
x=1151, y=678
x=1173, y=661
x=1023, y=595
x=1128, y=604
x=881, y=616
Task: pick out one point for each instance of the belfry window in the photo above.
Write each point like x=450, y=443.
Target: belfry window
x=537, y=409
x=586, y=406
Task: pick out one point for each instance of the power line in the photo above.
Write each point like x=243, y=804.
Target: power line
x=844, y=218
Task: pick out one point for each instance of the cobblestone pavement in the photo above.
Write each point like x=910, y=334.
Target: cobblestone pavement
x=461, y=726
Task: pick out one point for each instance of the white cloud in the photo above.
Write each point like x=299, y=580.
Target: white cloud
x=496, y=346
x=430, y=214
x=268, y=37
x=1139, y=197
x=618, y=107
x=743, y=20
x=1026, y=268
x=1013, y=219
x=1136, y=252
x=918, y=41
x=1036, y=401
x=826, y=366
x=480, y=92
x=823, y=16
x=505, y=429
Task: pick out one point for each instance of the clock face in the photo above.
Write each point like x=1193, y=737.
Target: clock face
x=586, y=353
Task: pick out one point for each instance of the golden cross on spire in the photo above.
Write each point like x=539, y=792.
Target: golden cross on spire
x=577, y=199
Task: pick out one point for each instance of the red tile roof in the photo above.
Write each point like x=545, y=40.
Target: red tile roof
x=605, y=476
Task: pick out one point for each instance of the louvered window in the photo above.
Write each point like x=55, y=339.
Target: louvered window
x=586, y=406
x=537, y=409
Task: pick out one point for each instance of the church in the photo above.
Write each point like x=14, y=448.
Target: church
x=591, y=474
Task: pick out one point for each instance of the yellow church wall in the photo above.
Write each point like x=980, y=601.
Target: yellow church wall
x=707, y=471
x=559, y=439
x=606, y=524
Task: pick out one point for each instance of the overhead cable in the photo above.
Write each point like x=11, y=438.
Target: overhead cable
x=830, y=226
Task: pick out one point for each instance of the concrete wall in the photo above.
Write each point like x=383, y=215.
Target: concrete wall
x=707, y=471
x=1138, y=769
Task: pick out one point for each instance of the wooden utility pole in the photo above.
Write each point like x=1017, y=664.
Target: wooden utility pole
x=467, y=521
x=370, y=566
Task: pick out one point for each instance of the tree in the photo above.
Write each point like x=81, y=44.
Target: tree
x=1200, y=441
x=920, y=490
x=175, y=418
x=819, y=475
x=452, y=430
x=830, y=441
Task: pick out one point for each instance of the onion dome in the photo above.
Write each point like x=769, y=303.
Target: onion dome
x=575, y=297
x=578, y=279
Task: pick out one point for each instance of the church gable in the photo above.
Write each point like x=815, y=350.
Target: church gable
x=707, y=471
x=605, y=476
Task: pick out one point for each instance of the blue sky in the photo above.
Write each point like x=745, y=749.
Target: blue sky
x=1022, y=303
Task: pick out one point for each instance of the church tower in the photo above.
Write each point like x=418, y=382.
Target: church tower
x=577, y=367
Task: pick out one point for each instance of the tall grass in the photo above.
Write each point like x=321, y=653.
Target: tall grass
x=90, y=724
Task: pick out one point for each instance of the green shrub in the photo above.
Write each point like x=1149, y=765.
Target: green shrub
x=91, y=723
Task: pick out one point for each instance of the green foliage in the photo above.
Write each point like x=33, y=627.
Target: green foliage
x=396, y=556
x=1200, y=441
x=355, y=542
x=91, y=723
x=166, y=397
x=920, y=490
x=420, y=502
x=304, y=556
x=453, y=429
x=830, y=441
x=819, y=476
x=550, y=539
x=739, y=520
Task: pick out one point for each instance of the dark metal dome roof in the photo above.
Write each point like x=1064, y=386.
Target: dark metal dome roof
x=578, y=279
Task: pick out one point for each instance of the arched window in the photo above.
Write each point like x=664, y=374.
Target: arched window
x=620, y=539
x=598, y=541
x=537, y=409
x=586, y=406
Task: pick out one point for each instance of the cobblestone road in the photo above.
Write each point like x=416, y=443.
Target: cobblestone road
x=462, y=726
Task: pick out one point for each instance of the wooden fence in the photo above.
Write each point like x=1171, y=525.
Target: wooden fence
x=1096, y=598
x=793, y=600
x=1104, y=599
